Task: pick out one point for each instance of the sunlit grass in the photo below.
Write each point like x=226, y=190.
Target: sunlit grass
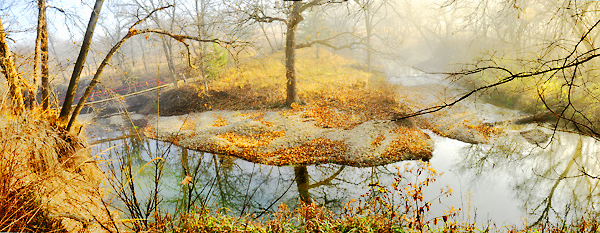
x=260, y=83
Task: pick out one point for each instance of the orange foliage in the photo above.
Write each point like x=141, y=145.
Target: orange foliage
x=258, y=116
x=408, y=142
x=377, y=141
x=487, y=130
x=220, y=122
x=251, y=141
x=316, y=151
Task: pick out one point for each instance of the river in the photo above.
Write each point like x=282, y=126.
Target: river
x=510, y=181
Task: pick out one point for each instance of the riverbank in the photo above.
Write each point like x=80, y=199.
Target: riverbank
x=292, y=137
x=347, y=119
x=48, y=179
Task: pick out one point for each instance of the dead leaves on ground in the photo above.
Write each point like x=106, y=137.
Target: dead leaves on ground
x=251, y=141
x=409, y=142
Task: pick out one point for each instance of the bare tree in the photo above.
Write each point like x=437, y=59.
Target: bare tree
x=41, y=57
x=562, y=70
x=132, y=32
x=370, y=9
x=87, y=40
x=14, y=79
x=255, y=11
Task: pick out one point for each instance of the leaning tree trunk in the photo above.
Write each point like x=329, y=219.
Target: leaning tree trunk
x=290, y=54
x=10, y=72
x=87, y=40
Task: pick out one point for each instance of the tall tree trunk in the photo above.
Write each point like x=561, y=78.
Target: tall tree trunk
x=167, y=47
x=87, y=40
x=37, y=52
x=200, y=14
x=369, y=28
x=10, y=72
x=42, y=35
x=290, y=54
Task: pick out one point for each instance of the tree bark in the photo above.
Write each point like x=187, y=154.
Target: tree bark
x=290, y=54
x=70, y=95
x=36, y=53
x=43, y=54
x=369, y=28
x=200, y=14
x=10, y=72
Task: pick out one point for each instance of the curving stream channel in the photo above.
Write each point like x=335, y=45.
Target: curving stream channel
x=510, y=181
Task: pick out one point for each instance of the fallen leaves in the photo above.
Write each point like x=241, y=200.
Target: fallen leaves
x=410, y=143
x=252, y=140
x=377, y=141
x=220, y=121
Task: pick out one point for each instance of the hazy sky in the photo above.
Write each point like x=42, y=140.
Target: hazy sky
x=20, y=18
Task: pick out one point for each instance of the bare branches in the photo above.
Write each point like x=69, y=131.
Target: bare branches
x=149, y=15
x=511, y=76
x=181, y=38
x=266, y=19
x=132, y=32
x=328, y=44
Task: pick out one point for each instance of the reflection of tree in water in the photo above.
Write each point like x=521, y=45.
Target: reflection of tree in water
x=333, y=185
x=217, y=181
x=551, y=181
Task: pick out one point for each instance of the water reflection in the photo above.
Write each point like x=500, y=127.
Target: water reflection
x=554, y=182
x=500, y=183
x=158, y=173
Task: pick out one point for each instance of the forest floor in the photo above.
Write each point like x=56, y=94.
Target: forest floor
x=347, y=118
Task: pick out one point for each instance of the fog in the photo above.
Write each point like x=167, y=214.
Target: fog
x=435, y=36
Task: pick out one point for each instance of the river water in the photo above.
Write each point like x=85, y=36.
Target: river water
x=509, y=181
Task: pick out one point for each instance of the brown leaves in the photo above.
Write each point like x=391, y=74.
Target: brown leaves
x=327, y=117
x=409, y=143
x=316, y=151
x=251, y=141
x=220, y=122
x=377, y=141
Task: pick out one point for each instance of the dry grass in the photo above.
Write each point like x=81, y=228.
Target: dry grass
x=338, y=95
x=48, y=181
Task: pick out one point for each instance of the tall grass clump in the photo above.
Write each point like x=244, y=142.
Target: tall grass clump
x=48, y=180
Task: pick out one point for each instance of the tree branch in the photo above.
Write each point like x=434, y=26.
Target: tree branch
x=132, y=32
x=512, y=76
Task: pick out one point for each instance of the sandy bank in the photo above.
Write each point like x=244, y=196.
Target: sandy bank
x=288, y=137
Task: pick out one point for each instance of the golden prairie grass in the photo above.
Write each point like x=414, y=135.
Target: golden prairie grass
x=48, y=180
x=337, y=92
